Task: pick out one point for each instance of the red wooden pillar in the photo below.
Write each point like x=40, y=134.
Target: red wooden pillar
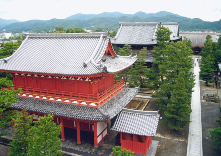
x=62, y=129
x=134, y=143
x=95, y=135
x=78, y=132
x=121, y=138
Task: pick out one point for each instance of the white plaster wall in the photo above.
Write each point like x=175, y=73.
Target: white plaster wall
x=99, y=138
x=100, y=127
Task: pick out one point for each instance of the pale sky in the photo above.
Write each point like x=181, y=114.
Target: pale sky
x=23, y=10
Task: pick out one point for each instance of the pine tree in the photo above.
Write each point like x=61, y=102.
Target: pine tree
x=207, y=66
x=21, y=139
x=206, y=69
x=219, y=43
x=126, y=50
x=217, y=58
x=163, y=38
x=7, y=97
x=178, y=111
x=45, y=137
x=139, y=70
x=216, y=134
x=208, y=47
x=176, y=60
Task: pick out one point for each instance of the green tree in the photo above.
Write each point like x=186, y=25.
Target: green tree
x=116, y=48
x=8, y=49
x=207, y=66
x=59, y=29
x=177, y=59
x=113, y=33
x=45, y=137
x=206, y=69
x=139, y=70
x=178, y=111
x=216, y=134
x=99, y=30
x=20, y=144
x=163, y=38
x=75, y=30
x=7, y=97
x=208, y=47
x=219, y=43
x=126, y=50
x=217, y=59
x=117, y=151
x=214, y=44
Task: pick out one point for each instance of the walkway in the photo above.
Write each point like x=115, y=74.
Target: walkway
x=194, y=147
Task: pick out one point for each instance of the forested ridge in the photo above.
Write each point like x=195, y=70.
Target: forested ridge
x=110, y=21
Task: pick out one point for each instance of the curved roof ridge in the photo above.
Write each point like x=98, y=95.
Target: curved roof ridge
x=91, y=59
x=8, y=58
x=118, y=32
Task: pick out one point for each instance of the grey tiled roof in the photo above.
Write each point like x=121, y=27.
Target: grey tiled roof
x=137, y=122
x=142, y=33
x=136, y=33
x=174, y=27
x=118, y=63
x=107, y=111
x=198, y=39
x=66, y=54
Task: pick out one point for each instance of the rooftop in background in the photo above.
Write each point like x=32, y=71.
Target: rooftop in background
x=143, y=33
x=198, y=38
x=137, y=122
x=66, y=54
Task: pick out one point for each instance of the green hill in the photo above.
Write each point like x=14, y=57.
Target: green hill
x=4, y=22
x=110, y=21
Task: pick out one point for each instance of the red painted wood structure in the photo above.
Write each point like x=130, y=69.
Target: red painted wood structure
x=137, y=139
x=136, y=143
x=72, y=77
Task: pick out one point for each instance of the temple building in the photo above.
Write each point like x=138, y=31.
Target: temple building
x=136, y=129
x=198, y=39
x=143, y=34
x=72, y=77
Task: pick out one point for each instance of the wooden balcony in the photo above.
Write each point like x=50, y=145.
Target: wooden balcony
x=101, y=97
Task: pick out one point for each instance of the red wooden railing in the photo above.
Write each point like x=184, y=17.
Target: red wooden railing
x=101, y=95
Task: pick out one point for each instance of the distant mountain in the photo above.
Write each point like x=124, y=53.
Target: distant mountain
x=80, y=16
x=140, y=14
x=4, y=22
x=144, y=15
x=110, y=21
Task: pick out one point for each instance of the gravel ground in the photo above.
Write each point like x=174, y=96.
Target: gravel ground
x=171, y=143
x=210, y=113
x=4, y=150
